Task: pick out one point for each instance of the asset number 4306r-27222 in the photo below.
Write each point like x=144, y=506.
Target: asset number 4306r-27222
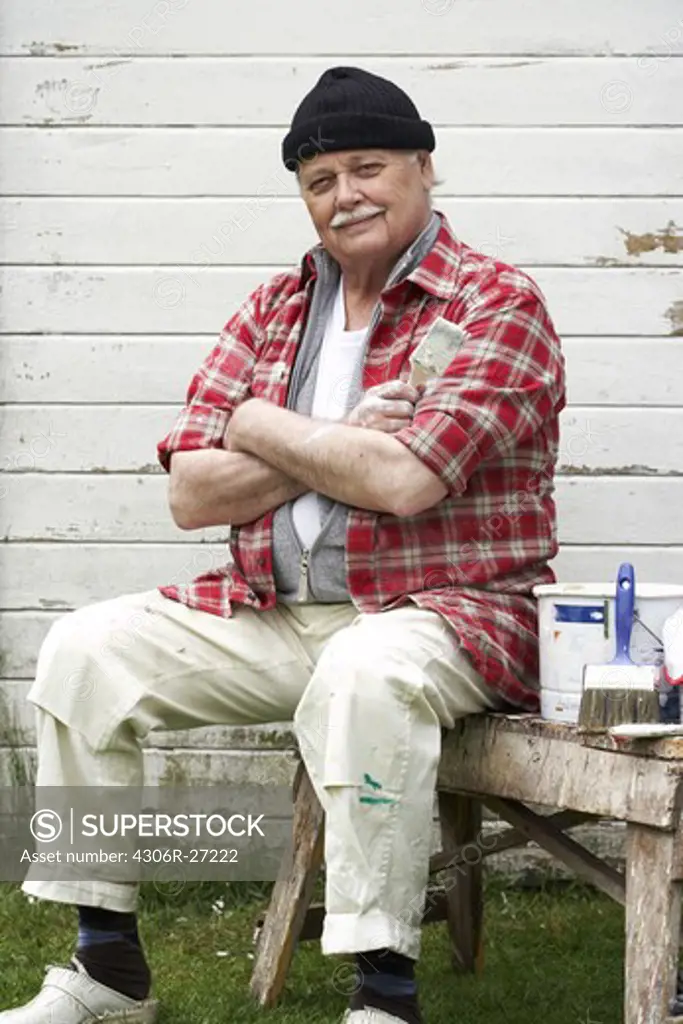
x=193, y=856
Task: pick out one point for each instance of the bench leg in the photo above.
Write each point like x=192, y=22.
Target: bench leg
x=291, y=895
x=653, y=921
x=461, y=824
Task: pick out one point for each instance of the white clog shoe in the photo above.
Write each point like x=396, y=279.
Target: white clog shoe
x=368, y=1015
x=73, y=997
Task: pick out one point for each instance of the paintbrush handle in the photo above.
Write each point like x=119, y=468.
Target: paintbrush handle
x=625, y=603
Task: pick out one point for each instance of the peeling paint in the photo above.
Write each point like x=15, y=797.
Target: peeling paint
x=512, y=64
x=109, y=63
x=668, y=240
x=175, y=772
x=633, y=470
x=451, y=65
x=456, y=65
x=605, y=261
x=40, y=49
x=675, y=314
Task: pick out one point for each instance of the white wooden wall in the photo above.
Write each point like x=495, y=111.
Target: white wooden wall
x=143, y=196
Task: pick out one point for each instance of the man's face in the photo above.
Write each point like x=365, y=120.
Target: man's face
x=367, y=203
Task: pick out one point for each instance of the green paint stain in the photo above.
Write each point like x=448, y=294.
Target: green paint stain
x=376, y=800
x=369, y=781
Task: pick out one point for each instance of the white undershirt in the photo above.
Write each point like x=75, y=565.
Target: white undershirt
x=339, y=351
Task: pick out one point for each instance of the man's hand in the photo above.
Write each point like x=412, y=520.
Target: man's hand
x=388, y=407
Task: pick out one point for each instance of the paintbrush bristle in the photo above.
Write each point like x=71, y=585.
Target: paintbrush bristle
x=601, y=709
x=617, y=695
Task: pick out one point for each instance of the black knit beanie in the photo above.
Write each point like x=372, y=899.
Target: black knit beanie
x=349, y=108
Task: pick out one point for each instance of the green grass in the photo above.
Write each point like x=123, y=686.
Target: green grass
x=552, y=957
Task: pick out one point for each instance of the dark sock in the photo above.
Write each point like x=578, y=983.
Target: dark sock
x=109, y=948
x=388, y=983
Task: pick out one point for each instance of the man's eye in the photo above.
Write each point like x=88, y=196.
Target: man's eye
x=319, y=184
x=369, y=168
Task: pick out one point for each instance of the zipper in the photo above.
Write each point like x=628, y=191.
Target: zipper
x=303, y=575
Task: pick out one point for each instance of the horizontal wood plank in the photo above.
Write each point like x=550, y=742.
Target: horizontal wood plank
x=256, y=231
x=22, y=632
x=435, y=26
x=246, y=162
x=180, y=767
x=17, y=728
x=542, y=830
x=578, y=563
x=59, y=576
x=133, y=509
x=122, y=438
x=181, y=300
x=96, y=369
x=265, y=91
x=484, y=757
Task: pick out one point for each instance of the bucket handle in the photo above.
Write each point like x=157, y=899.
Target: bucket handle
x=637, y=617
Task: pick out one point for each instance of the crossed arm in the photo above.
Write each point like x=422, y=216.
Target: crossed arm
x=272, y=455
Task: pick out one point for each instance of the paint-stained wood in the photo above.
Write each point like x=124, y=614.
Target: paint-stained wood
x=87, y=508
x=656, y=563
x=95, y=369
x=246, y=162
x=653, y=920
x=189, y=767
x=61, y=576
x=71, y=575
x=265, y=91
x=22, y=632
x=49, y=438
x=265, y=229
x=119, y=300
x=501, y=840
x=434, y=27
x=547, y=834
x=291, y=895
x=17, y=729
x=461, y=829
x=487, y=756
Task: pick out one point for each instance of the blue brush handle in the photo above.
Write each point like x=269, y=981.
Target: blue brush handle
x=625, y=603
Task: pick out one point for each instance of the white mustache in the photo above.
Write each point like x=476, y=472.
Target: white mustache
x=344, y=217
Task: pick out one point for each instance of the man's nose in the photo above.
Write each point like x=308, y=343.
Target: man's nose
x=347, y=190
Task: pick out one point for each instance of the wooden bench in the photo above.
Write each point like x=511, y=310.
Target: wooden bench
x=506, y=763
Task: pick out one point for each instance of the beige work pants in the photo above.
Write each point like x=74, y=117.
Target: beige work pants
x=368, y=695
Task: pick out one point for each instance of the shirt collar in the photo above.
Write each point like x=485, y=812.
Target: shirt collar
x=436, y=272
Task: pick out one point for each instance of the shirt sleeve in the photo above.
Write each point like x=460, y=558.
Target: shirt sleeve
x=504, y=382
x=218, y=386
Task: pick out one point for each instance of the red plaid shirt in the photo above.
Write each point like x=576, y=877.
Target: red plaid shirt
x=488, y=428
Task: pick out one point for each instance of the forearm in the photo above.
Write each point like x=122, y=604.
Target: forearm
x=214, y=487
x=361, y=467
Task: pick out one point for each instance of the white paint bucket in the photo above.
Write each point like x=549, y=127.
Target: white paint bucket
x=576, y=628
x=560, y=707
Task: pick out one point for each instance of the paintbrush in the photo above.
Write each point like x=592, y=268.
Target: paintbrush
x=620, y=691
x=436, y=350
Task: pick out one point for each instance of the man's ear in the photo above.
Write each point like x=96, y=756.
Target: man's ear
x=426, y=168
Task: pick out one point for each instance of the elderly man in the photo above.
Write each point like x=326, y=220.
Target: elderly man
x=385, y=539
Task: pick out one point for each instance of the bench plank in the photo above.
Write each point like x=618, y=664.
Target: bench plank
x=291, y=894
x=653, y=920
x=577, y=858
x=461, y=830
x=533, y=761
